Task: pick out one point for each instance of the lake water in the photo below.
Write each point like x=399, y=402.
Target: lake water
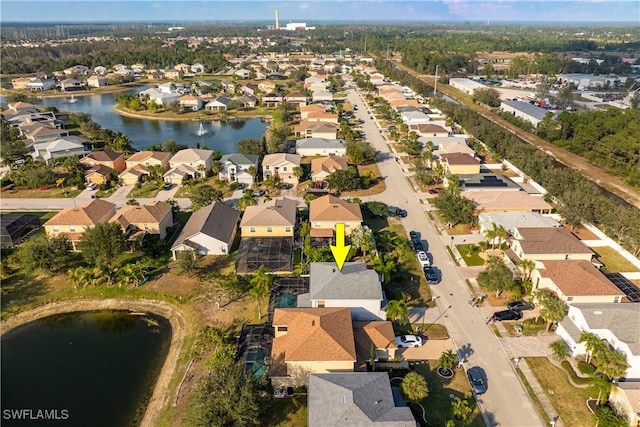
x=220, y=136
x=93, y=368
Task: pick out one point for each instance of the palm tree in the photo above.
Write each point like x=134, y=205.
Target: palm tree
x=397, y=310
x=362, y=238
x=461, y=408
x=80, y=276
x=385, y=266
x=559, y=349
x=501, y=234
x=612, y=363
x=495, y=233
x=216, y=167
x=414, y=387
x=253, y=171
x=448, y=359
x=202, y=170
x=247, y=199
x=552, y=310
x=298, y=172
x=526, y=266
x=260, y=287
x=603, y=386
x=592, y=343
x=605, y=416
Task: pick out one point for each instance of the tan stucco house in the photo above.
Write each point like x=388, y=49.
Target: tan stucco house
x=149, y=158
x=74, y=221
x=281, y=166
x=322, y=167
x=106, y=158
x=148, y=219
x=275, y=218
x=460, y=164
x=540, y=244
x=327, y=211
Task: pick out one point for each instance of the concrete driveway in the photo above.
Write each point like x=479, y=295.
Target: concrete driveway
x=431, y=350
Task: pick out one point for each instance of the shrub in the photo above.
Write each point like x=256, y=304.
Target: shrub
x=233, y=185
x=575, y=378
x=586, y=368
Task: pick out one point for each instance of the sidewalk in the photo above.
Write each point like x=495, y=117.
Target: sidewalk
x=539, y=392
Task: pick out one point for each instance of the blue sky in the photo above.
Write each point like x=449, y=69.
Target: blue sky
x=302, y=10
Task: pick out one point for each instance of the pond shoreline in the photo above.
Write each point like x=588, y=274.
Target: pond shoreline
x=160, y=397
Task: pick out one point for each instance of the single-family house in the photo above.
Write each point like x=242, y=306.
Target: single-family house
x=136, y=221
x=322, y=116
x=99, y=174
x=322, y=167
x=575, y=281
x=429, y=130
x=97, y=81
x=625, y=399
x=179, y=174
x=44, y=133
x=220, y=103
x=38, y=84
x=242, y=73
x=506, y=201
x=185, y=68
x=354, y=287
x=321, y=147
x=21, y=82
x=327, y=211
x=296, y=98
x=209, y=231
x=460, y=164
x=234, y=168
x=134, y=174
x=355, y=399
x=267, y=87
x=281, y=166
x=275, y=218
x=102, y=70
x=376, y=334
x=201, y=160
x=190, y=102
x=322, y=95
x=451, y=144
x=247, y=101
x=149, y=158
x=310, y=340
x=540, y=244
x=272, y=100
x=512, y=220
x=15, y=227
x=72, y=222
x=412, y=118
x=311, y=108
x=80, y=70
x=106, y=158
x=615, y=324
x=307, y=129
x=173, y=74
x=228, y=86
x=68, y=85
x=395, y=103
x=56, y=149
x=249, y=89
x=197, y=68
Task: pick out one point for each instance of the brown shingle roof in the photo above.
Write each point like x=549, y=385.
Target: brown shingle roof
x=331, y=208
x=459, y=159
x=137, y=170
x=379, y=333
x=103, y=156
x=314, y=334
x=428, y=128
x=99, y=169
x=90, y=213
x=490, y=200
x=578, y=277
x=276, y=212
x=555, y=240
x=328, y=164
x=144, y=155
x=147, y=214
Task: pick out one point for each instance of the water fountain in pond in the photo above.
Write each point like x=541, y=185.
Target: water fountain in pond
x=202, y=131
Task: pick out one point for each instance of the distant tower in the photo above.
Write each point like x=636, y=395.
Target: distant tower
x=277, y=20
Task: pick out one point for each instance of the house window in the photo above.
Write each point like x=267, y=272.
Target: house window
x=569, y=298
x=269, y=229
x=72, y=228
x=252, y=229
x=266, y=167
x=284, y=169
x=146, y=226
x=56, y=229
x=320, y=304
x=282, y=329
x=287, y=229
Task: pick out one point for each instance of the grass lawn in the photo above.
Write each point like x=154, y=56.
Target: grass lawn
x=287, y=412
x=529, y=329
x=568, y=400
x=378, y=187
x=149, y=189
x=45, y=193
x=613, y=262
x=438, y=402
x=470, y=254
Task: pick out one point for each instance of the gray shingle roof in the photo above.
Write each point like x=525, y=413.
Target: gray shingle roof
x=623, y=320
x=355, y=399
x=320, y=143
x=216, y=220
x=355, y=281
x=240, y=159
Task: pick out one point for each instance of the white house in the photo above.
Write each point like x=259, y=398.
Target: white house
x=233, y=167
x=62, y=147
x=321, y=147
x=354, y=287
x=209, y=231
x=200, y=160
x=617, y=324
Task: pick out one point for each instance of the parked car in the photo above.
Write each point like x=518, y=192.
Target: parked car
x=397, y=211
x=476, y=380
x=520, y=305
x=507, y=315
x=433, y=191
x=260, y=193
x=417, y=245
x=166, y=186
x=241, y=186
x=286, y=185
x=409, y=341
x=423, y=259
x=431, y=275
x=413, y=235
x=92, y=186
x=361, y=121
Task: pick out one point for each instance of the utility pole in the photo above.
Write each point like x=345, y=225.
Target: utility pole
x=365, y=44
x=435, y=84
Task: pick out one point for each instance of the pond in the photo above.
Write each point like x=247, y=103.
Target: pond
x=221, y=136
x=82, y=369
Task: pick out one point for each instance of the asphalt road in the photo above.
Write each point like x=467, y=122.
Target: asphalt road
x=506, y=402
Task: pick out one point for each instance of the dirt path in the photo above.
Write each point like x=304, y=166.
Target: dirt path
x=612, y=183
x=161, y=395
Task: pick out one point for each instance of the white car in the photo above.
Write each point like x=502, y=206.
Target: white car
x=423, y=259
x=92, y=186
x=409, y=341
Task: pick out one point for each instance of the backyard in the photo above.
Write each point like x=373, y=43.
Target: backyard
x=612, y=260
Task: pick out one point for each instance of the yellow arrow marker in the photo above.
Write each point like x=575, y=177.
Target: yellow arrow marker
x=340, y=251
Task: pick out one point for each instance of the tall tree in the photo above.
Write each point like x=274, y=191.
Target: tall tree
x=41, y=252
x=362, y=238
x=592, y=343
x=612, y=363
x=414, y=387
x=187, y=261
x=397, y=310
x=260, y=287
x=496, y=277
x=560, y=350
x=526, y=266
x=203, y=195
x=102, y=244
x=552, y=310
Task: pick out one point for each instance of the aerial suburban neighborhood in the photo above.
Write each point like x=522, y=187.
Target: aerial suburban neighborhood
x=285, y=224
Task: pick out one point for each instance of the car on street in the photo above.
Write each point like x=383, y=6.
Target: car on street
x=260, y=193
x=423, y=259
x=361, y=121
x=409, y=341
x=476, y=380
x=507, y=315
x=398, y=212
x=520, y=305
x=417, y=245
x=431, y=275
x=413, y=235
x=241, y=186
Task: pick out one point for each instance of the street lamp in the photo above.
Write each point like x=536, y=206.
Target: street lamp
x=424, y=331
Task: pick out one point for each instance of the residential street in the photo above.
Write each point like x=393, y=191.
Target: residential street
x=506, y=403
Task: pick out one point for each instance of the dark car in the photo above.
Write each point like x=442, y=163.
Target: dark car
x=520, y=305
x=417, y=245
x=260, y=193
x=360, y=121
x=507, y=315
x=413, y=235
x=286, y=185
x=433, y=191
x=166, y=186
x=431, y=275
x=476, y=380
x=241, y=186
